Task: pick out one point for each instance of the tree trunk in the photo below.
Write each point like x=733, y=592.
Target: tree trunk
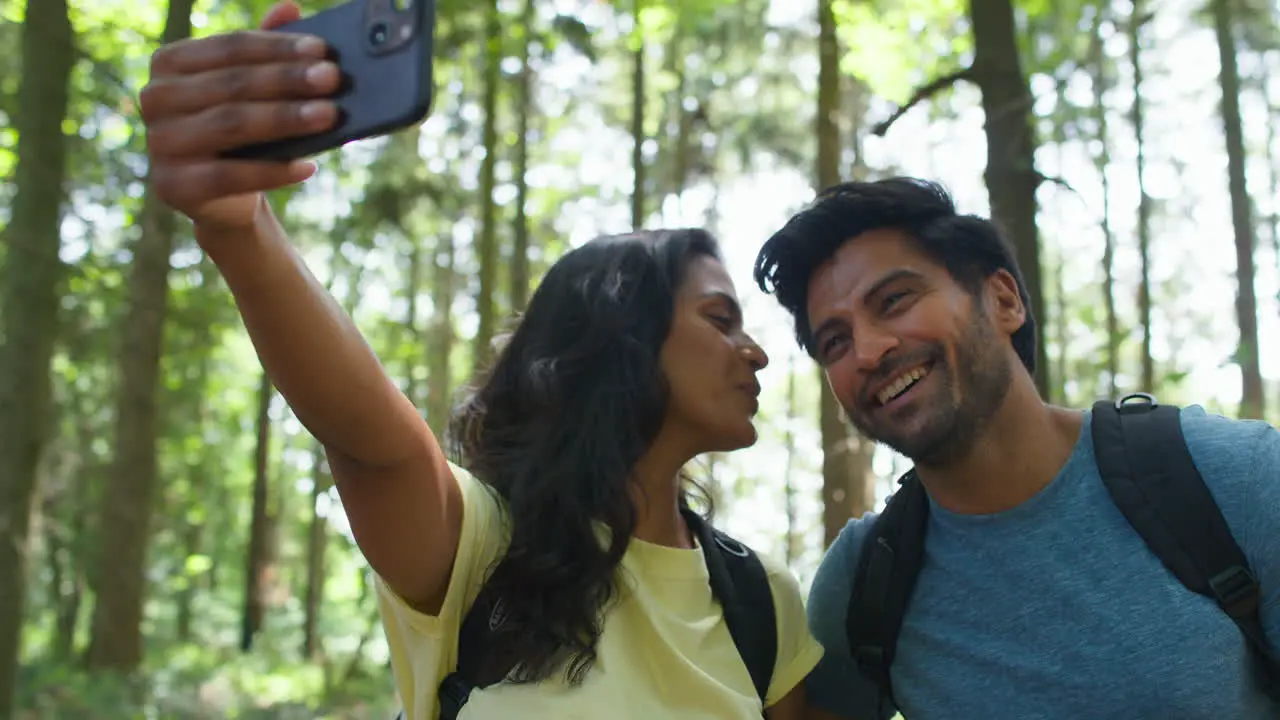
x=440, y=337
x=1102, y=161
x=200, y=500
x=412, y=290
x=258, y=565
x=317, y=540
x=679, y=118
x=792, y=545
x=199, y=504
x=30, y=282
x=71, y=586
x=1059, y=392
x=846, y=459
x=66, y=545
x=1251, y=401
x=637, y=121
x=125, y=514
x=1273, y=157
x=1011, y=176
x=488, y=246
x=520, y=248
x=858, y=97
x=1137, y=19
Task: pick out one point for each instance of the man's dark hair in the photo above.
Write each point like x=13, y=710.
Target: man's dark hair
x=969, y=247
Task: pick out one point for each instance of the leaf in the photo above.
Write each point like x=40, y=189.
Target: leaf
x=575, y=32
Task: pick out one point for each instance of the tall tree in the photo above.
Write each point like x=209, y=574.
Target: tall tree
x=29, y=283
x=1102, y=161
x=637, y=117
x=440, y=334
x=520, y=248
x=1273, y=165
x=791, y=546
x=1251, y=400
x=260, y=556
x=125, y=515
x=844, y=469
x=1011, y=175
x=1138, y=19
x=486, y=305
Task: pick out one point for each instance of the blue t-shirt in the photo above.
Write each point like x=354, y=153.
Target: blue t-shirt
x=1057, y=608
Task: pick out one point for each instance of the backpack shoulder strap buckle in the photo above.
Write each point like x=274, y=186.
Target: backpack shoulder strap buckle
x=1149, y=402
x=1236, y=590
x=871, y=660
x=453, y=694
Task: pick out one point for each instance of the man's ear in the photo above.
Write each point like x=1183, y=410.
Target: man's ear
x=1005, y=302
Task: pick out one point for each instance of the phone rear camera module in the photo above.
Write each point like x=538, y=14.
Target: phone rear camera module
x=379, y=34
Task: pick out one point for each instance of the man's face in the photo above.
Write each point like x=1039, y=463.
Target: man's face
x=917, y=361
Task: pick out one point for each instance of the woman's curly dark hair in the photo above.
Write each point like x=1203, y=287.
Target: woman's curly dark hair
x=573, y=400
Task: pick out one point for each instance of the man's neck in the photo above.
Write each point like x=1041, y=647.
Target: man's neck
x=1018, y=454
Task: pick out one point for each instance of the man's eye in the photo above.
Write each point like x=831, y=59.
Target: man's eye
x=892, y=300
x=830, y=345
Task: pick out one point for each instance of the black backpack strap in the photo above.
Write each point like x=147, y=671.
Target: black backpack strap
x=1151, y=476
x=741, y=585
x=883, y=582
x=476, y=669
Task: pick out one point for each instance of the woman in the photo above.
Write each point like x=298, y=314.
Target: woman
x=630, y=360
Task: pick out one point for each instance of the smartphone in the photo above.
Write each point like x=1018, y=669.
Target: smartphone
x=383, y=49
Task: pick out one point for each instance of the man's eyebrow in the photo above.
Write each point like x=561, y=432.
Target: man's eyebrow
x=890, y=278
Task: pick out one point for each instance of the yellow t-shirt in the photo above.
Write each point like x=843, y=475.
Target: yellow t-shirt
x=665, y=650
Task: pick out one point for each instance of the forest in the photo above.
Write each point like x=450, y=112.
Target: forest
x=170, y=542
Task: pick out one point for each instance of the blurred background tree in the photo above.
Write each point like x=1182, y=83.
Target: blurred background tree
x=170, y=544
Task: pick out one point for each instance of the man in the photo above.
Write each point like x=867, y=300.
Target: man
x=1035, y=595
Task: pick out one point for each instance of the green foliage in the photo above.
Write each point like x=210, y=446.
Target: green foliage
x=895, y=45
x=197, y=684
x=729, y=103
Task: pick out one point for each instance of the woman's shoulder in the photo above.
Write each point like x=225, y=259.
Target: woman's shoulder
x=798, y=650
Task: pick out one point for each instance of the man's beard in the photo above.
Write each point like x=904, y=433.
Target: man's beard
x=944, y=426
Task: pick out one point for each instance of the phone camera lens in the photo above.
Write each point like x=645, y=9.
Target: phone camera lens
x=379, y=33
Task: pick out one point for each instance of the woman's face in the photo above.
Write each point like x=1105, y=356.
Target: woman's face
x=710, y=364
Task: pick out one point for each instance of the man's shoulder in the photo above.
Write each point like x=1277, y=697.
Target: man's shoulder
x=828, y=603
x=1214, y=436
x=836, y=684
x=1226, y=449
x=1239, y=461
x=841, y=559
x=1230, y=454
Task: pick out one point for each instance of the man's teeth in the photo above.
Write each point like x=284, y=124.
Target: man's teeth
x=898, y=386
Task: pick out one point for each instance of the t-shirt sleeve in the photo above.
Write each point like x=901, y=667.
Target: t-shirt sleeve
x=798, y=650
x=836, y=685
x=1240, y=462
x=423, y=647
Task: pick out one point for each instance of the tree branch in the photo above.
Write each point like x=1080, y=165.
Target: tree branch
x=1061, y=182
x=921, y=94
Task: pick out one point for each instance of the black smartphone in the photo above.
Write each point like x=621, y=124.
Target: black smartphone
x=383, y=49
